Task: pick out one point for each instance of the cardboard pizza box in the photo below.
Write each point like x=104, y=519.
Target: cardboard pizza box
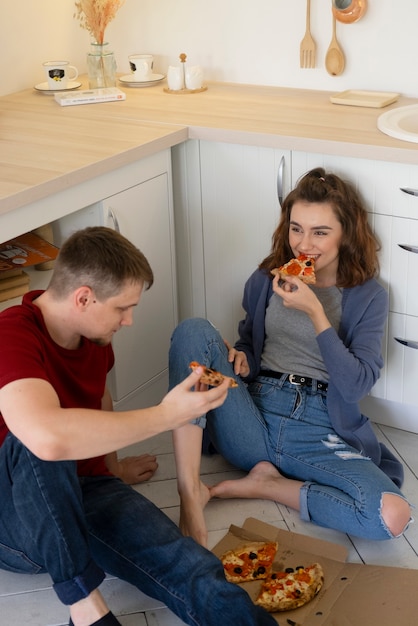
x=352, y=594
x=26, y=250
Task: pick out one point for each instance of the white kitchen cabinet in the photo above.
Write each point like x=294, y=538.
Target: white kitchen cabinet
x=226, y=209
x=144, y=214
x=393, y=215
x=137, y=200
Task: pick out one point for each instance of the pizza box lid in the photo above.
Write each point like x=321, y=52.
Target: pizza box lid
x=352, y=594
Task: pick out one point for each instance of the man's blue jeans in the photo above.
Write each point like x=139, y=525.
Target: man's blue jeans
x=289, y=426
x=77, y=529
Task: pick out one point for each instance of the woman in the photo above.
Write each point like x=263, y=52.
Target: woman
x=306, y=355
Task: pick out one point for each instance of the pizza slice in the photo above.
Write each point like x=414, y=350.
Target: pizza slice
x=303, y=268
x=291, y=589
x=212, y=377
x=249, y=561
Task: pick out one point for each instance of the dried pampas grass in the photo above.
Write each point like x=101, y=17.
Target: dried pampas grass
x=95, y=15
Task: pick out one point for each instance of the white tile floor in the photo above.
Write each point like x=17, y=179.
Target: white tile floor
x=29, y=600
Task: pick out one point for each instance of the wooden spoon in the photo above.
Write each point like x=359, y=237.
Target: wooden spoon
x=334, y=60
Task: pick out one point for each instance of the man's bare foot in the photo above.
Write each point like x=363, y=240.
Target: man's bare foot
x=89, y=610
x=136, y=469
x=263, y=481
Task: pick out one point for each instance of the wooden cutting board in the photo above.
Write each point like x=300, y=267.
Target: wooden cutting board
x=375, y=99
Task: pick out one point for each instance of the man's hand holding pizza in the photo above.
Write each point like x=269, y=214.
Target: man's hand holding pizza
x=183, y=404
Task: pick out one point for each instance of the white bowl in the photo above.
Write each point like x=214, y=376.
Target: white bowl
x=401, y=123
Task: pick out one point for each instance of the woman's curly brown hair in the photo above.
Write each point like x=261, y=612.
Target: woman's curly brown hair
x=359, y=246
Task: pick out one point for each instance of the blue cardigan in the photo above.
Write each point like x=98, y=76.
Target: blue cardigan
x=352, y=357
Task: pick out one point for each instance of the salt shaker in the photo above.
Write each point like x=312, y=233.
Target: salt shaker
x=175, y=77
x=194, y=77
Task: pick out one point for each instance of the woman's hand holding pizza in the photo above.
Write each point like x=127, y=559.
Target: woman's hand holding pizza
x=297, y=295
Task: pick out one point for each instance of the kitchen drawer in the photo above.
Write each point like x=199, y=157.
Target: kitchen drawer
x=402, y=361
x=379, y=182
x=398, y=267
x=389, y=181
x=397, y=382
x=394, y=398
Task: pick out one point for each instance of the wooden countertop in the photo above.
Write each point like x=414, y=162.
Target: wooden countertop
x=45, y=148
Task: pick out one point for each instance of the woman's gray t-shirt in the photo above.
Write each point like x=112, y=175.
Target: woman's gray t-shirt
x=290, y=345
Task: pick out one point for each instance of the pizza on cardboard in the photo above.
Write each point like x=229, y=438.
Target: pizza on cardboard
x=353, y=594
x=23, y=251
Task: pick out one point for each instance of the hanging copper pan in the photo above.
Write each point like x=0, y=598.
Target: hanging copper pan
x=349, y=11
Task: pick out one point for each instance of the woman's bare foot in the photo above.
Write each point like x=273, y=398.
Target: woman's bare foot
x=263, y=481
x=192, y=521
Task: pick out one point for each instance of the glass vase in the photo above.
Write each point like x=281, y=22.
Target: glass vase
x=101, y=66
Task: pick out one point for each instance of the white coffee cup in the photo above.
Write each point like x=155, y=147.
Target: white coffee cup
x=175, y=77
x=141, y=66
x=194, y=77
x=58, y=73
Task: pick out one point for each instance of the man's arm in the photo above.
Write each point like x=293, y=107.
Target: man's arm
x=31, y=410
x=130, y=469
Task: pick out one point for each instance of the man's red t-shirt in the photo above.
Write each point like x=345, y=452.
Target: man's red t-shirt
x=78, y=376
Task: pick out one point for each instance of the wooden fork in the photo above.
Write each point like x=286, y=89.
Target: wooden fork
x=307, y=45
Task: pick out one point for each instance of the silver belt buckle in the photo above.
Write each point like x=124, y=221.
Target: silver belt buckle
x=293, y=381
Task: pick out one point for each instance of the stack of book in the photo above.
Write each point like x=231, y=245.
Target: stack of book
x=15, y=254
x=13, y=283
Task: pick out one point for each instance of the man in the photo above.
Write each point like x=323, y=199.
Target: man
x=62, y=510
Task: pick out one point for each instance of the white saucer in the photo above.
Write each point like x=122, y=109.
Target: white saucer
x=131, y=81
x=45, y=88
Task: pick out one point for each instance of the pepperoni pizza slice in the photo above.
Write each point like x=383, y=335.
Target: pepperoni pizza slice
x=249, y=561
x=212, y=377
x=291, y=589
x=303, y=268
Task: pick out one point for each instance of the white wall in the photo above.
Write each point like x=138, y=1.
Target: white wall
x=234, y=40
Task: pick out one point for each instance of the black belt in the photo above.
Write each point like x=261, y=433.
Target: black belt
x=294, y=379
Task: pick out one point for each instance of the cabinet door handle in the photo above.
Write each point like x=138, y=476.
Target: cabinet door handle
x=280, y=177
x=112, y=215
x=410, y=190
x=405, y=246
x=407, y=342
